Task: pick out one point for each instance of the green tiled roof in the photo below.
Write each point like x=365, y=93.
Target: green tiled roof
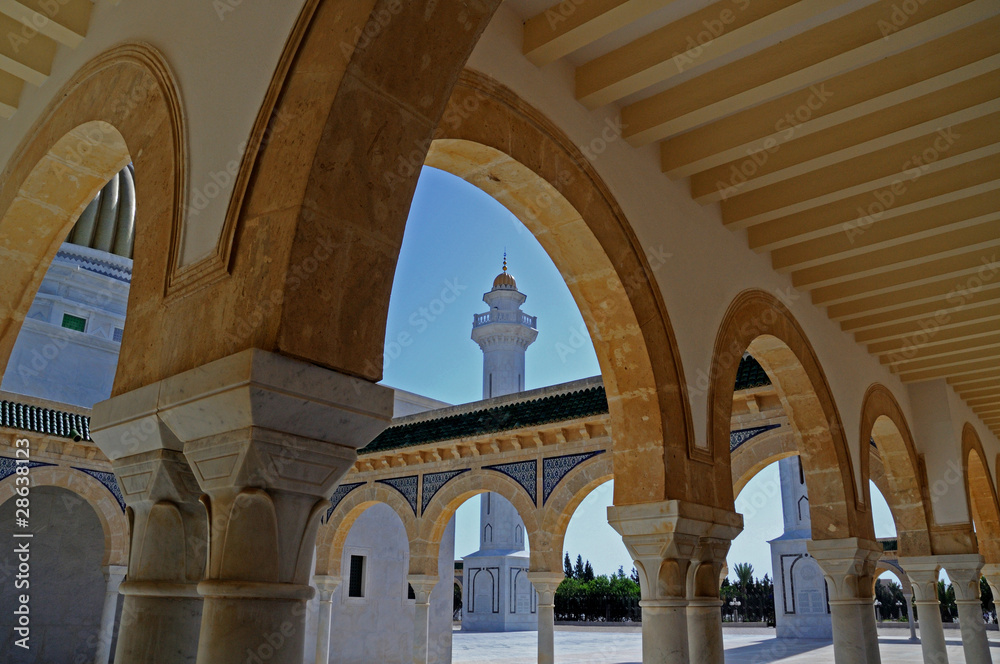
x=14, y=415
x=750, y=374
x=509, y=416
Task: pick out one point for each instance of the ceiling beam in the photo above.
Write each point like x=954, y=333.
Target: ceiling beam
x=953, y=370
x=10, y=93
x=893, y=168
x=67, y=25
x=829, y=50
x=974, y=333
x=878, y=131
x=979, y=265
x=692, y=41
x=855, y=215
x=969, y=379
x=954, y=243
x=28, y=59
x=951, y=325
x=953, y=359
x=901, y=78
x=889, y=233
x=567, y=26
x=913, y=303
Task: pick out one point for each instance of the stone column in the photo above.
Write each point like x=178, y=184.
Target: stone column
x=267, y=438
x=992, y=573
x=849, y=567
x=546, y=584
x=908, y=598
x=161, y=612
x=965, y=572
x=423, y=585
x=668, y=542
x=113, y=575
x=326, y=585
x=704, y=611
x=923, y=573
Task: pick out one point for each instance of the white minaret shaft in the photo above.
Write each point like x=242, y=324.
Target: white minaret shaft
x=504, y=334
x=794, y=497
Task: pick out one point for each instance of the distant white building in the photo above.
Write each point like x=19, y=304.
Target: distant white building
x=67, y=349
x=801, y=600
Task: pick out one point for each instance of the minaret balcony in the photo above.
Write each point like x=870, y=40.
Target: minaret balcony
x=497, y=316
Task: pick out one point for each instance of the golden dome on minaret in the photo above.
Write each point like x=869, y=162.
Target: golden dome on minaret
x=504, y=280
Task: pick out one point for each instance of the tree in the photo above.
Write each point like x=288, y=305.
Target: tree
x=588, y=572
x=744, y=576
x=621, y=572
x=634, y=575
x=567, y=567
x=578, y=571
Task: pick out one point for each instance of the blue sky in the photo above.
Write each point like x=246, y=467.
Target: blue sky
x=452, y=249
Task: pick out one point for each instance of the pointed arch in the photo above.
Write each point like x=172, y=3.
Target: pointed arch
x=437, y=514
x=491, y=138
x=981, y=495
x=900, y=479
x=547, y=548
x=758, y=322
x=96, y=495
x=332, y=534
x=121, y=106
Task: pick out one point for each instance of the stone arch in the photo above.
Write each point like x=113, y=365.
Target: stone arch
x=981, y=495
x=333, y=533
x=101, y=500
x=495, y=141
x=121, y=106
x=897, y=571
x=546, y=555
x=435, y=517
x=882, y=421
x=757, y=322
x=758, y=453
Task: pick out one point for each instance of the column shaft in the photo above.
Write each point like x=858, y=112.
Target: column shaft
x=932, y=643
x=975, y=642
x=326, y=585
x=546, y=634
x=854, y=635
x=113, y=575
x=909, y=617
x=704, y=622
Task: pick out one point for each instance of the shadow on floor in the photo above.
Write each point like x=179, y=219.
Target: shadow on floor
x=774, y=649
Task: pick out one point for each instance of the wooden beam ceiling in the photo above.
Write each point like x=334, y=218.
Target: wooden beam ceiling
x=856, y=141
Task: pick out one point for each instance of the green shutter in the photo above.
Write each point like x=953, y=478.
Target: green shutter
x=72, y=322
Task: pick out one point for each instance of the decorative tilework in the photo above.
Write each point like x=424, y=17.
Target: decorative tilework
x=406, y=486
x=8, y=466
x=109, y=481
x=433, y=482
x=524, y=473
x=338, y=495
x=740, y=436
x=556, y=468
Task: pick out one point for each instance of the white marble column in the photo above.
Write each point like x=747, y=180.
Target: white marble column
x=326, y=585
x=546, y=584
x=965, y=572
x=423, y=585
x=668, y=542
x=849, y=566
x=161, y=610
x=267, y=439
x=923, y=572
x=113, y=576
x=908, y=598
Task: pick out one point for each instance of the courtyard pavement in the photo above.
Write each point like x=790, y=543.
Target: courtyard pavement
x=613, y=645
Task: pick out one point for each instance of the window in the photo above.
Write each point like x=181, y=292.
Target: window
x=117, y=334
x=409, y=592
x=72, y=322
x=356, y=587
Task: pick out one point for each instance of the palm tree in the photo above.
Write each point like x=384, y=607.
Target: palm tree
x=744, y=575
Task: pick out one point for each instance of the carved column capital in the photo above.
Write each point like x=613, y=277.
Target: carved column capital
x=675, y=545
x=546, y=584
x=423, y=585
x=849, y=567
x=326, y=585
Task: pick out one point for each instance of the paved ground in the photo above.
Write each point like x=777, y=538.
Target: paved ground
x=593, y=645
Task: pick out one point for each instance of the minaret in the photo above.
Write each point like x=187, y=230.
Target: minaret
x=504, y=333
x=496, y=591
